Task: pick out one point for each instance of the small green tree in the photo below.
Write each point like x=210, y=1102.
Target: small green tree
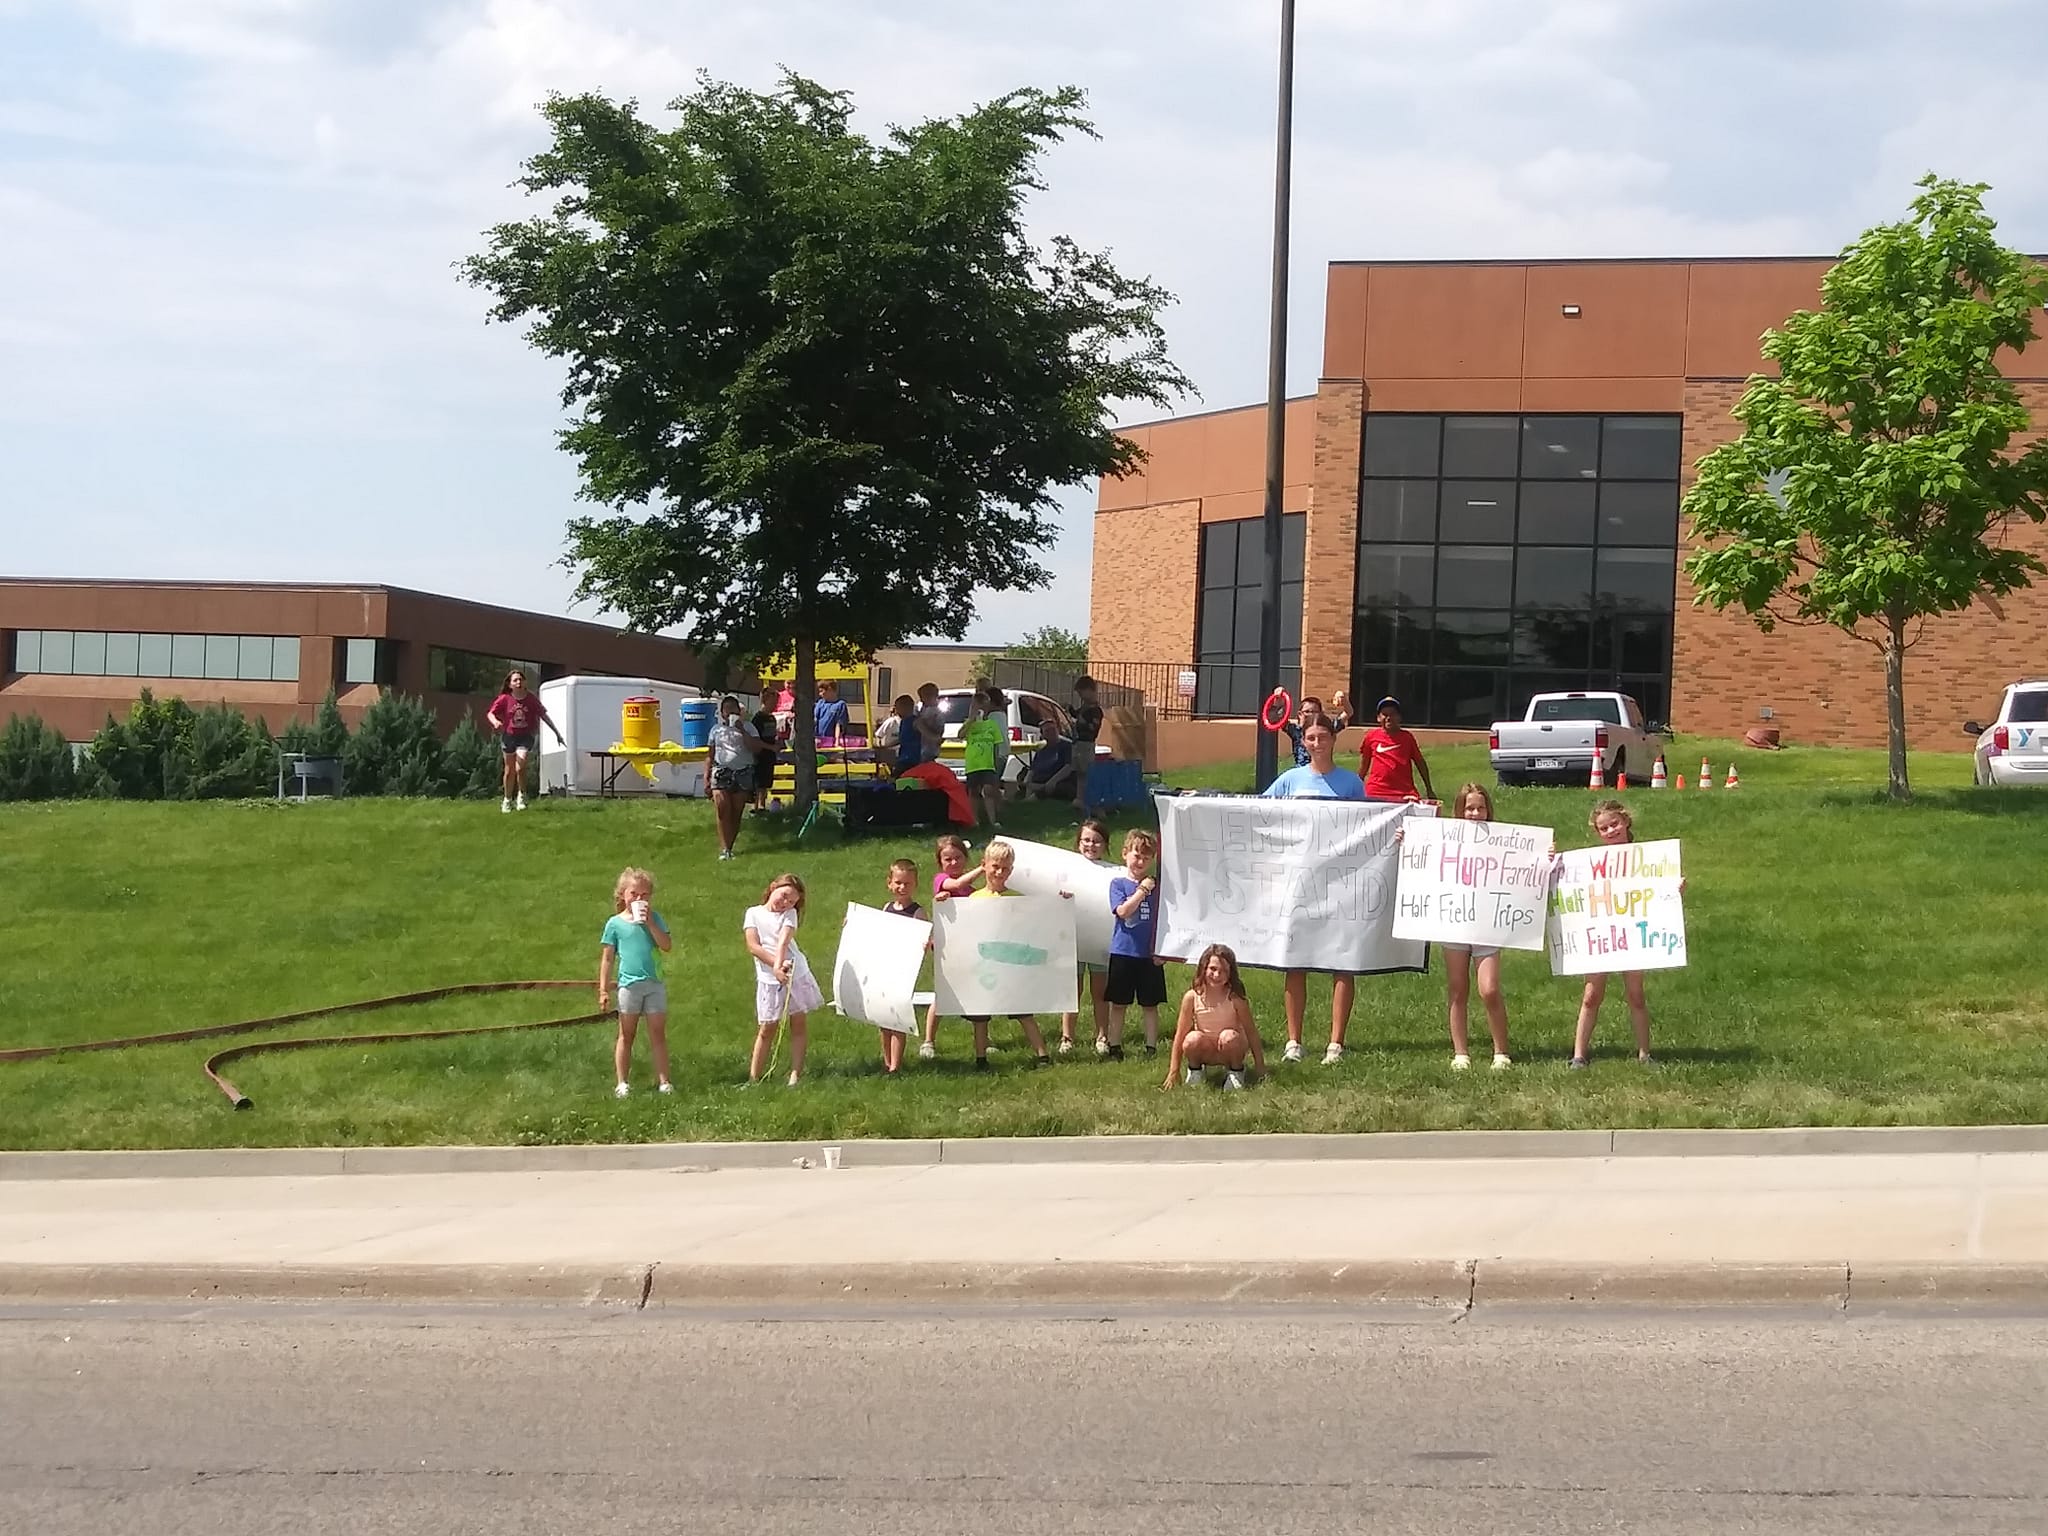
x=225, y=756
x=395, y=749
x=471, y=766
x=134, y=756
x=826, y=383
x=1874, y=482
x=35, y=761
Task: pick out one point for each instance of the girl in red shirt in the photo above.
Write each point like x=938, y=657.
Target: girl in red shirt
x=517, y=717
x=1389, y=758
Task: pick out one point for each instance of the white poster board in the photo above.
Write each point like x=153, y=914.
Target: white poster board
x=1473, y=882
x=1042, y=870
x=875, y=977
x=1617, y=908
x=1004, y=954
x=1288, y=884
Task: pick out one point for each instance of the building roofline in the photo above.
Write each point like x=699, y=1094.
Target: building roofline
x=1216, y=410
x=1586, y=261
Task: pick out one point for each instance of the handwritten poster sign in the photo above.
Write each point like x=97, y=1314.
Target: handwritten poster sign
x=1004, y=954
x=1473, y=882
x=1617, y=909
x=875, y=977
x=1042, y=870
x=1288, y=884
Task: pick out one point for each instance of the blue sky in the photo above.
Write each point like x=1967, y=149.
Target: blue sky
x=234, y=346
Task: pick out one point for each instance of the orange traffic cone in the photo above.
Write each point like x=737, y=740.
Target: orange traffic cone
x=1706, y=774
x=1621, y=779
x=1733, y=781
x=1598, y=778
x=1681, y=781
x=1658, y=779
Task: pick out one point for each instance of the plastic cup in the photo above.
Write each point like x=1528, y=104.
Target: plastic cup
x=832, y=1157
x=639, y=911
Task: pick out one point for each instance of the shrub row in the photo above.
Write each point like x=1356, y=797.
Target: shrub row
x=167, y=750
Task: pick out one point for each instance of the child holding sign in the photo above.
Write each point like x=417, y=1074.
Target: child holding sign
x=1613, y=825
x=1461, y=961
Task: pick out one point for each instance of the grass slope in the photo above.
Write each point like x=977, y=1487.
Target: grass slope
x=1853, y=964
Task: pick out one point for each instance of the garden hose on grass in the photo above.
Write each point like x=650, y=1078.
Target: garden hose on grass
x=219, y=1059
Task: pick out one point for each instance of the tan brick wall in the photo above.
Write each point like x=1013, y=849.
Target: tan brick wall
x=1142, y=600
x=1330, y=559
x=1823, y=686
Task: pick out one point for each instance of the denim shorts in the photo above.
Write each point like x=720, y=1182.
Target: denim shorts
x=643, y=997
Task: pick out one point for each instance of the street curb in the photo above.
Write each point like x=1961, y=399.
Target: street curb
x=711, y=1156
x=1450, y=1286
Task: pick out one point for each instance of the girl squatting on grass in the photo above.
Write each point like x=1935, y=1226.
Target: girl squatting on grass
x=1216, y=1028
x=783, y=983
x=631, y=937
x=1613, y=825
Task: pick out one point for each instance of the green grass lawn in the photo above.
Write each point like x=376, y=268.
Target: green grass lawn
x=1853, y=963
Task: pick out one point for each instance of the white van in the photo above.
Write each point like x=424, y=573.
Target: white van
x=587, y=711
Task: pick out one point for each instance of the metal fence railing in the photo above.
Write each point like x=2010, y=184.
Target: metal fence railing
x=1222, y=690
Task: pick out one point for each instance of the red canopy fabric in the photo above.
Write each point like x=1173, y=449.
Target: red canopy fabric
x=938, y=776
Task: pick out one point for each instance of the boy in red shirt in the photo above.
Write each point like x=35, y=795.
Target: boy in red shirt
x=1389, y=758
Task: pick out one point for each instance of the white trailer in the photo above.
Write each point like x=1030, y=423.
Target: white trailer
x=587, y=712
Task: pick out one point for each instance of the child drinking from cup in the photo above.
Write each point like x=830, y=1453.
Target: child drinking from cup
x=626, y=953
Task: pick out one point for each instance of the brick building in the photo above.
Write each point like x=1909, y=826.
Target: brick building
x=1481, y=503
x=73, y=652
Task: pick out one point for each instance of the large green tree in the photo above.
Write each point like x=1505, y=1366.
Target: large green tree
x=1875, y=485
x=824, y=384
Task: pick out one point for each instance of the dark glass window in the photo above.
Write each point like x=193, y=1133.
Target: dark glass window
x=1475, y=577
x=1402, y=445
x=1398, y=511
x=471, y=672
x=1478, y=512
x=1503, y=556
x=1230, y=607
x=1482, y=447
x=1560, y=447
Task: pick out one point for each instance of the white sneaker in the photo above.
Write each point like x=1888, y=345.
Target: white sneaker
x=621, y=1091
x=1333, y=1055
x=1066, y=1047
x=1501, y=1061
x=1101, y=1046
x=926, y=1051
x=1194, y=1076
x=665, y=1088
x=519, y=804
x=505, y=806
x=1460, y=1063
x=1293, y=1051
x=1233, y=1080
x=793, y=1079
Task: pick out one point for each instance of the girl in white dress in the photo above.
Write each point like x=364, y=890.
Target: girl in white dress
x=782, y=977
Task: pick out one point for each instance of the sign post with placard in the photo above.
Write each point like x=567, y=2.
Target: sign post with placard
x=1617, y=907
x=1477, y=883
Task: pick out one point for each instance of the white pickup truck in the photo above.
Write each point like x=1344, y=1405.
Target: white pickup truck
x=2013, y=749
x=1554, y=743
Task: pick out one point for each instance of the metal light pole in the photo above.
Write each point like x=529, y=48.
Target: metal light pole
x=1266, y=754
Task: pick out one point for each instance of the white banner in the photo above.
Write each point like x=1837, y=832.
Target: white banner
x=875, y=977
x=1289, y=884
x=1043, y=870
x=1616, y=907
x=1473, y=882
x=1004, y=954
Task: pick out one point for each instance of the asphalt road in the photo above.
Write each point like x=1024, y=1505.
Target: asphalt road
x=324, y=1420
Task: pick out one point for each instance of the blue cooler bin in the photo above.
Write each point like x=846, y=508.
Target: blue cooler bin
x=1113, y=783
x=699, y=715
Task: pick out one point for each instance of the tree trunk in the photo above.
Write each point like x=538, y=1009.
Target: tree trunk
x=805, y=735
x=1895, y=699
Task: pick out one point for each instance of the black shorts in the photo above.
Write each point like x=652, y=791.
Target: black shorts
x=981, y=778
x=524, y=741
x=733, y=781
x=1132, y=980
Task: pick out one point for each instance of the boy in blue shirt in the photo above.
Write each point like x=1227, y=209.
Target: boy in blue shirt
x=1134, y=976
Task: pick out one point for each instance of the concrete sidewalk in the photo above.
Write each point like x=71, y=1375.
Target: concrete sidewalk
x=1454, y=1232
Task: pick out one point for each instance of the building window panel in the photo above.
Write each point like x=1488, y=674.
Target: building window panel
x=89, y=653
x=1385, y=636
x=1640, y=448
x=223, y=656
x=1397, y=575
x=253, y=660
x=1398, y=511
x=1641, y=514
x=1554, y=578
x=1478, y=512
x=153, y=656
x=1524, y=686
x=1410, y=685
x=1213, y=633
x=1230, y=611
x=1472, y=639
x=57, y=651
x=1558, y=513
x=1291, y=599
x=1219, y=555
x=1560, y=447
x=188, y=656
x=1249, y=603
x=28, y=650
x=1468, y=698
x=1481, y=447
x=1633, y=642
x=1400, y=446
x=1554, y=641
x=1293, y=543
x=284, y=659
x=1640, y=579
x=1479, y=577
x=359, y=661
x=124, y=655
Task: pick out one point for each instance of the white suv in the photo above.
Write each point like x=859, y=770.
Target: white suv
x=2013, y=749
x=1028, y=713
